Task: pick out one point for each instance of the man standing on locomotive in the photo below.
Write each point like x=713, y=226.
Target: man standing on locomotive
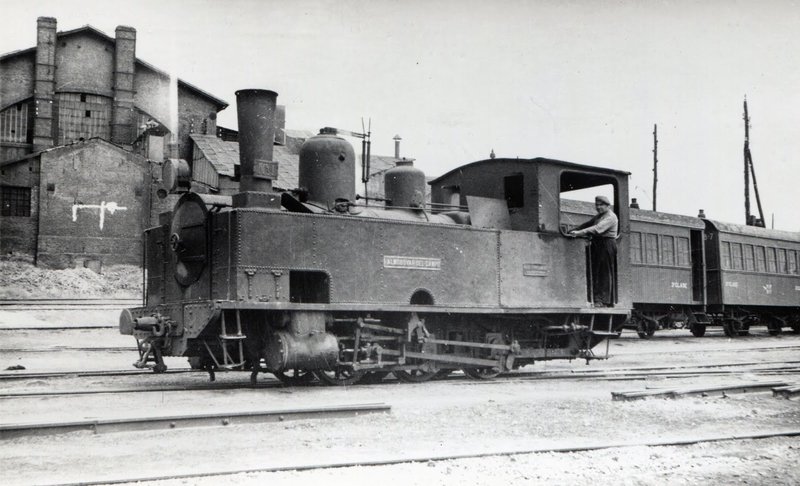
x=602, y=229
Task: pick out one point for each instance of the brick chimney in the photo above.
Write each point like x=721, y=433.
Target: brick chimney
x=122, y=129
x=44, y=124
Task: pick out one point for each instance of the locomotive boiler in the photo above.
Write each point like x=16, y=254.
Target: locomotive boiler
x=310, y=283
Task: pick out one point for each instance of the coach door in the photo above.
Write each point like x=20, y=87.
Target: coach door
x=698, y=267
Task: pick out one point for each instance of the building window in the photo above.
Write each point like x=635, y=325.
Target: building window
x=771, y=260
x=651, y=248
x=667, y=250
x=736, y=256
x=636, y=247
x=16, y=201
x=83, y=116
x=683, y=252
x=749, y=258
x=16, y=123
x=760, y=259
x=726, y=255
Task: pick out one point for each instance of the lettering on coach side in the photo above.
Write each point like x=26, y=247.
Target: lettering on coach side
x=679, y=285
x=732, y=284
x=412, y=263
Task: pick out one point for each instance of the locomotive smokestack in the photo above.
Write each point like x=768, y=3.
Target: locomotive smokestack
x=255, y=109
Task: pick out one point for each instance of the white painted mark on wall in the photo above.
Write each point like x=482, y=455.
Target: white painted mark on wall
x=111, y=207
x=768, y=288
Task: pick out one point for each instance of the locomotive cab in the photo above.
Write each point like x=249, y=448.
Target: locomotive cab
x=528, y=193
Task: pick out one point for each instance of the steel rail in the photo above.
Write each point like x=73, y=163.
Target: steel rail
x=160, y=389
x=586, y=447
x=10, y=431
x=532, y=376
x=114, y=349
x=81, y=374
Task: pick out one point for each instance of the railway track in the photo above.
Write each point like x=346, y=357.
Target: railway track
x=626, y=374
x=10, y=431
x=388, y=461
x=68, y=304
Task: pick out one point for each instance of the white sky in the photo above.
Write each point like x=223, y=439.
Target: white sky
x=582, y=81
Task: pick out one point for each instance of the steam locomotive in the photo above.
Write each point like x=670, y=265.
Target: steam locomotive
x=310, y=283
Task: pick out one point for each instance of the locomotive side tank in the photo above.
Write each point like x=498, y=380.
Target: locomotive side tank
x=319, y=286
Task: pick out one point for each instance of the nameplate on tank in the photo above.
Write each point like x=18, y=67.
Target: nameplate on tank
x=412, y=263
x=534, y=269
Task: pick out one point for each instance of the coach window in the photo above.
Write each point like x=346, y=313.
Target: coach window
x=782, y=261
x=651, y=248
x=736, y=256
x=667, y=250
x=636, y=247
x=749, y=259
x=792, y=263
x=761, y=259
x=683, y=252
x=771, y=260
x=726, y=255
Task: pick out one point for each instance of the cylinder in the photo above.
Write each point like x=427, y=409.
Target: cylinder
x=255, y=109
x=405, y=186
x=287, y=351
x=328, y=169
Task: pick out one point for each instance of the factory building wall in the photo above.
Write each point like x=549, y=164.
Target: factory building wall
x=94, y=203
x=19, y=231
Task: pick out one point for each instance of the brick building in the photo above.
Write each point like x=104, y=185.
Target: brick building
x=83, y=129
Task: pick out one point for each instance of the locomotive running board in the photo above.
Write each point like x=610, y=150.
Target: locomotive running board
x=428, y=309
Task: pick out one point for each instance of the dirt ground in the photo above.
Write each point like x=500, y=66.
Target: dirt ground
x=23, y=280
x=432, y=419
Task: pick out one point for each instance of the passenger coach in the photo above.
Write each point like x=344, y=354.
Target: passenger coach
x=753, y=277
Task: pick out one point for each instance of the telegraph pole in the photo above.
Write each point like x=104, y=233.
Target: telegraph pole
x=747, y=216
x=655, y=164
x=748, y=170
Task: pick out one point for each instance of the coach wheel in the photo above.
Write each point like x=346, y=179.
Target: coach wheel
x=646, y=329
x=485, y=373
x=341, y=376
x=732, y=328
x=698, y=330
x=796, y=328
x=774, y=327
x=415, y=376
x=745, y=329
x=295, y=377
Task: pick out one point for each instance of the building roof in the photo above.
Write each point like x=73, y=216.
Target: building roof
x=533, y=161
x=69, y=146
x=224, y=156
x=642, y=215
x=757, y=231
x=221, y=104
